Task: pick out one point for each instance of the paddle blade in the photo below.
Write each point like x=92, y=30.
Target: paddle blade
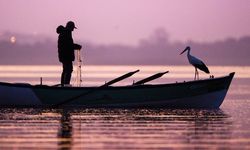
x=153, y=77
x=120, y=78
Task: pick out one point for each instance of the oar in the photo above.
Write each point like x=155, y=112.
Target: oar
x=98, y=88
x=153, y=77
x=120, y=78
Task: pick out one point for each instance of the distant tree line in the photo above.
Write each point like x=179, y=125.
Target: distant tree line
x=155, y=50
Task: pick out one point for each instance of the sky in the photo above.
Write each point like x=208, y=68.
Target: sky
x=128, y=21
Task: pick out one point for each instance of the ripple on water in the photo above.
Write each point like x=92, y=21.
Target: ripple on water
x=79, y=128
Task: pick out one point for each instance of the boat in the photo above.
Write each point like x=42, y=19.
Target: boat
x=205, y=93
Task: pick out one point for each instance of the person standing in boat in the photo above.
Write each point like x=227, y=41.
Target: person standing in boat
x=66, y=47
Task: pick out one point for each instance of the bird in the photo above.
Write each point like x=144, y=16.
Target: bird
x=197, y=63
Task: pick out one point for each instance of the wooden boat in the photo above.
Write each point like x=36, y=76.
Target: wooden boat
x=207, y=93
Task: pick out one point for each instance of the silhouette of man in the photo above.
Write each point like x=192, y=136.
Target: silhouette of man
x=66, y=47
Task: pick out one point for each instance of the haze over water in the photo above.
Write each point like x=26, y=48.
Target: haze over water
x=131, y=32
x=93, y=75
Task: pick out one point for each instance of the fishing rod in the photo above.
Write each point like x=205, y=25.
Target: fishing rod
x=79, y=68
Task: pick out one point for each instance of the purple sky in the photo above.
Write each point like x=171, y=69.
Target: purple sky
x=127, y=21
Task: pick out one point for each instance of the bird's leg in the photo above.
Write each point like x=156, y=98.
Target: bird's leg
x=195, y=74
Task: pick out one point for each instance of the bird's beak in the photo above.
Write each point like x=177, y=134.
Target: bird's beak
x=184, y=51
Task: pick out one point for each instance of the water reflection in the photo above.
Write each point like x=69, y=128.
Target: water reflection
x=65, y=131
x=78, y=128
x=152, y=129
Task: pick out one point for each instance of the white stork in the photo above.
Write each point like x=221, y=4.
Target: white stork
x=197, y=63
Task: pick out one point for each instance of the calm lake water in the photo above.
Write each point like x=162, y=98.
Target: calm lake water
x=80, y=128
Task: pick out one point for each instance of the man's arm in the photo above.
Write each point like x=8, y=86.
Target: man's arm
x=77, y=46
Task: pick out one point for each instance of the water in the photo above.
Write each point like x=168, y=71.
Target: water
x=79, y=128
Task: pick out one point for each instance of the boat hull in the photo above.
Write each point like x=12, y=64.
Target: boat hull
x=208, y=93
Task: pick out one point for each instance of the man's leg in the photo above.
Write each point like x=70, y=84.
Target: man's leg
x=62, y=79
x=67, y=70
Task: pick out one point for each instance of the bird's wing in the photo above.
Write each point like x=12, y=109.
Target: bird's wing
x=194, y=61
x=198, y=63
x=203, y=67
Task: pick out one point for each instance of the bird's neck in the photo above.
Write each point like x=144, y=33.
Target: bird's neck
x=188, y=52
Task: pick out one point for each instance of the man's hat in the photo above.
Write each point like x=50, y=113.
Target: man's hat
x=71, y=24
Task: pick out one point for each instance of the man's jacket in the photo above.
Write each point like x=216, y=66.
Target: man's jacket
x=66, y=45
